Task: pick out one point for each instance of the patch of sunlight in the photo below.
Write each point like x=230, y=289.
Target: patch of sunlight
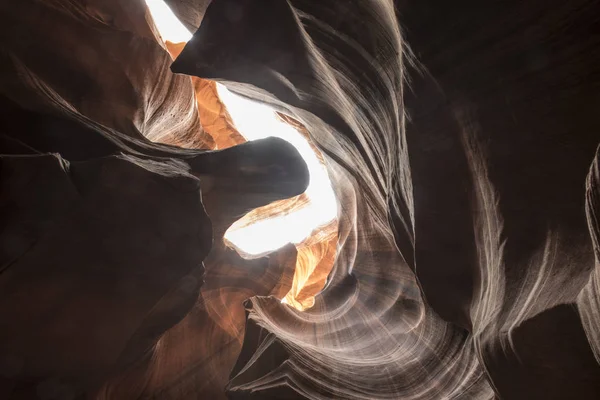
x=167, y=23
x=257, y=121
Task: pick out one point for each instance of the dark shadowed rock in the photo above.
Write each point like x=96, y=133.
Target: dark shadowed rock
x=461, y=140
x=99, y=258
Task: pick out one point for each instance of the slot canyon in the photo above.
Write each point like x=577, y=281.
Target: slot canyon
x=299, y=199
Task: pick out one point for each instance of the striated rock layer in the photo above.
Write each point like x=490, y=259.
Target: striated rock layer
x=463, y=150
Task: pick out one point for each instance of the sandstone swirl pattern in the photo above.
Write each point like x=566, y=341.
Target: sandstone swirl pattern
x=462, y=143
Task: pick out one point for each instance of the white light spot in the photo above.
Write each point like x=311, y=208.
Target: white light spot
x=257, y=121
x=167, y=23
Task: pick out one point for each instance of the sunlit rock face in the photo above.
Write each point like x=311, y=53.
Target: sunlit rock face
x=463, y=262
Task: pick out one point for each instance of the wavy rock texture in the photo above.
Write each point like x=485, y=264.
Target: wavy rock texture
x=94, y=286
x=485, y=193
x=465, y=256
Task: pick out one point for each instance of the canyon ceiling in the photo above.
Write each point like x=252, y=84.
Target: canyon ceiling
x=461, y=140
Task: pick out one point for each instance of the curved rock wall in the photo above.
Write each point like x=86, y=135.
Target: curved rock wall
x=462, y=149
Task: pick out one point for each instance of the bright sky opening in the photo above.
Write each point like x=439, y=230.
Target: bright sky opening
x=257, y=121
x=167, y=23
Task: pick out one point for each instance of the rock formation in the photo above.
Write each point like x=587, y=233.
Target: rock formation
x=461, y=139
